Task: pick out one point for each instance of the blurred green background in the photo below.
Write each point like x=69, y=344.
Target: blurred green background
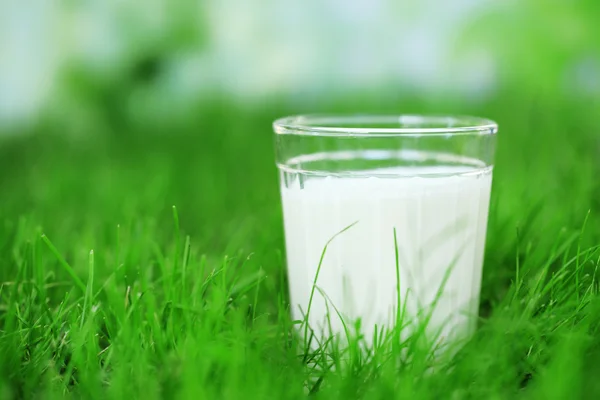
x=83, y=63
x=112, y=112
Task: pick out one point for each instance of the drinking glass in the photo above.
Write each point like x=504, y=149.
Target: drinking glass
x=385, y=220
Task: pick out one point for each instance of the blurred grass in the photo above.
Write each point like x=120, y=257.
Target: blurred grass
x=194, y=305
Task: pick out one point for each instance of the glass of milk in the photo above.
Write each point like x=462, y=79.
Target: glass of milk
x=385, y=221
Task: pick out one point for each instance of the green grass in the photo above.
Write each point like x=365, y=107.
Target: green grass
x=146, y=261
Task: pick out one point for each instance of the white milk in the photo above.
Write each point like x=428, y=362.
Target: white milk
x=440, y=220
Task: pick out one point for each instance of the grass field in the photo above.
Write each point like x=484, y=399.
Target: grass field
x=146, y=261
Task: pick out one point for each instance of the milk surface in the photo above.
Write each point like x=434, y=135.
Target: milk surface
x=439, y=215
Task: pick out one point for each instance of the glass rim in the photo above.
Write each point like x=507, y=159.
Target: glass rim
x=383, y=125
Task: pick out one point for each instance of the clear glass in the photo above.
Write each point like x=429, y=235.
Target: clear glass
x=385, y=220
